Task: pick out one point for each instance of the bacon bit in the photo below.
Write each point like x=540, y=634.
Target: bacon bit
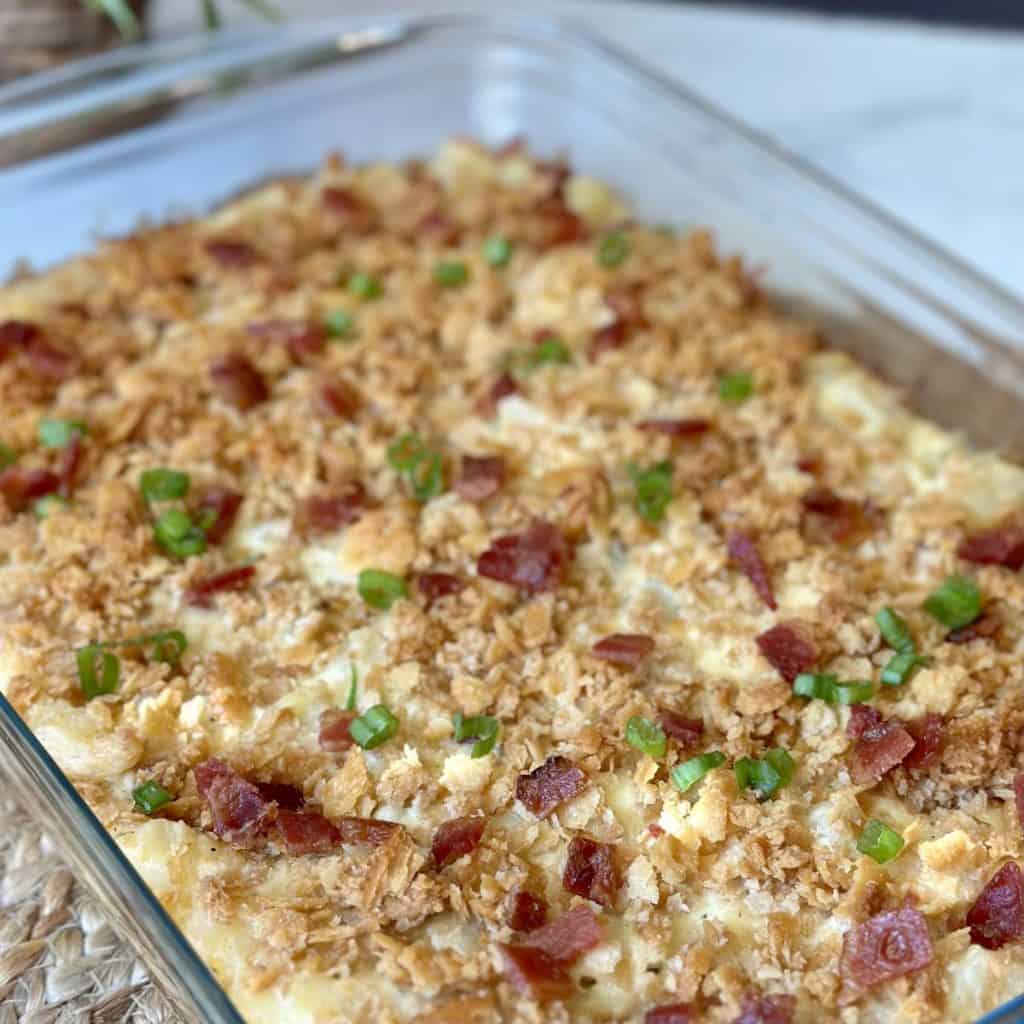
x=758, y=1009
x=16, y=334
x=1003, y=545
x=626, y=649
x=809, y=464
x=675, y=428
x=239, y=811
x=439, y=228
x=223, y=503
x=456, y=838
x=927, y=734
x=337, y=398
x=70, y=460
x=533, y=973
x=656, y=830
x=48, y=361
x=300, y=337
x=286, y=796
x=20, y=486
x=535, y=560
x=885, y=946
x=788, y=648
x=367, y=830
x=200, y=593
x=568, y=937
x=502, y=387
x=669, y=1013
x=881, y=744
x=591, y=872
x=685, y=731
x=229, y=252
x=557, y=224
x=527, y=912
x=324, y=513
x=550, y=785
x=307, y=832
x=435, y=585
x=997, y=915
x=350, y=209
x=482, y=477
x=831, y=518
x=1018, y=797
x=982, y=628
x=743, y=551
x=238, y=382
x=334, y=735
x=607, y=339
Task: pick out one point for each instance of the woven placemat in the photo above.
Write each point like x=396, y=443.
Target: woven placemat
x=60, y=961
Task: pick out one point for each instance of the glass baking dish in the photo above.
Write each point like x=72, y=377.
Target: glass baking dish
x=168, y=129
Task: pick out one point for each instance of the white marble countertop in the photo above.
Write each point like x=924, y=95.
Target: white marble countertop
x=927, y=122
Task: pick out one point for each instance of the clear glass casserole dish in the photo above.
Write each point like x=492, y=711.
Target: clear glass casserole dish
x=182, y=126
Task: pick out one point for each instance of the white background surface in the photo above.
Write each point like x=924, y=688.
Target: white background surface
x=927, y=122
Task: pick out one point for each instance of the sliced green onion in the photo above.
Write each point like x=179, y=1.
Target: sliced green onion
x=613, y=249
x=380, y=589
x=150, y=797
x=765, y=775
x=175, y=532
x=482, y=728
x=901, y=667
x=58, y=433
x=366, y=286
x=879, y=842
x=956, y=603
x=168, y=646
x=497, y=251
x=549, y=352
x=340, y=323
x=7, y=456
x=827, y=687
x=164, y=484
x=648, y=737
x=95, y=684
x=690, y=772
x=377, y=726
x=780, y=760
x=353, y=692
x=451, y=273
x=736, y=387
x=653, y=489
x=856, y=691
x=894, y=630
x=405, y=452
x=426, y=478
x=47, y=505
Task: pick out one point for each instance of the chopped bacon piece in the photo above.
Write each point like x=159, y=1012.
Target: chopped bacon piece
x=324, y=513
x=669, y=1013
x=217, y=510
x=239, y=811
x=743, y=551
x=16, y=334
x=456, y=838
x=367, y=830
x=608, y=338
x=229, y=252
x=526, y=912
x=535, y=560
x=997, y=915
x=20, y=486
x=200, y=593
x=809, y=464
x=831, y=517
x=286, y=796
x=676, y=428
x=1003, y=545
x=439, y=228
x=350, y=209
x=881, y=744
x=533, y=973
x=238, y=382
x=927, y=734
x=70, y=460
x=334, y=735
x=655, y=830
x=301, y=337
x=337, y=398
x=626, y=649
x=435, y=585
x=1018, y=797
x=307, y=832
x=591, y=871
x=550, y=785
x=482, y=477
x=759, y=1009
x=568, y=937
x=885, y=946
x=982, y=628
x=685, y=731
x=48, y=361
x=504, y=385
x=789, y=648
x=557, y=224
